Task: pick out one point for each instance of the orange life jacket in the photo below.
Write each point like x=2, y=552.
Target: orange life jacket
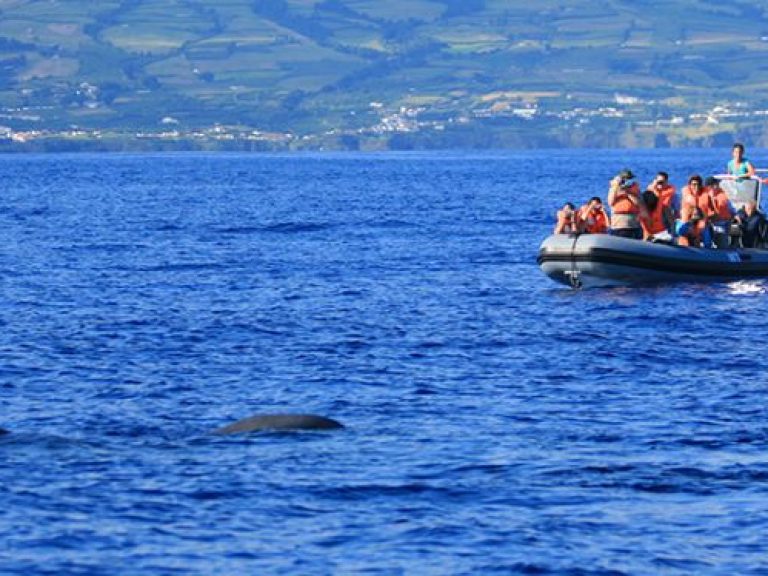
x=565, y=224
x=666, y=195
x=622, y=204
x=654, y=222
x=720, y=203
x=686, y=194
x=691, y=202
x=593, y=222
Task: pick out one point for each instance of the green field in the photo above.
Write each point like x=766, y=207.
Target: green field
x=310, y=66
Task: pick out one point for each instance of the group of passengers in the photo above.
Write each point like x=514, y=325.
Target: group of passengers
x=702, y=216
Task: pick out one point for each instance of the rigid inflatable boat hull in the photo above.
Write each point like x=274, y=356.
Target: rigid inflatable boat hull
x=595, y=260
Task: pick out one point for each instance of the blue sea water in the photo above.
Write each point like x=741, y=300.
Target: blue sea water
x=496, y=422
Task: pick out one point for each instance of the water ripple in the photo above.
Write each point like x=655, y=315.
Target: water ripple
x=495, y=423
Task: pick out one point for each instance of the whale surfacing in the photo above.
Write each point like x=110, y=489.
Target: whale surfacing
x=280, y=422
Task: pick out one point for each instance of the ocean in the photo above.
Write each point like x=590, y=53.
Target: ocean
x=496, y=422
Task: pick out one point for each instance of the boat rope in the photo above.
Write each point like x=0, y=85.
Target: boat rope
x=574, y=276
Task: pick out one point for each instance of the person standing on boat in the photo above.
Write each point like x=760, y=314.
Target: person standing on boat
x=693, y=228
x=627, y=206
x=722, y=212
x=593, y=219
x=739, y=166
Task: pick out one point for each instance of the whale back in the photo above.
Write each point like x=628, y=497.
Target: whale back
x=280, y=422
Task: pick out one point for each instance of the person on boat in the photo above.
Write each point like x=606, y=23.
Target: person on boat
x=627, y=206
x=593, y=219
x=654, y=222
x=659, y=199
x=567, y=222
x=667, y=195
x=753, y=226
x=692, y=229
x=721, y=210
x=739, y=166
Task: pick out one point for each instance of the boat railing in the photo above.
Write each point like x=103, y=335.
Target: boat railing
x=740, y=191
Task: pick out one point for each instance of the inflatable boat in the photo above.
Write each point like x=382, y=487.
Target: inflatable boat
x=591, y=260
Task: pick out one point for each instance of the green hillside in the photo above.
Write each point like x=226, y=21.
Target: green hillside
x=269, y=74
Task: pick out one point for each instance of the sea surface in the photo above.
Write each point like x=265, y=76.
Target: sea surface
x=496, y=422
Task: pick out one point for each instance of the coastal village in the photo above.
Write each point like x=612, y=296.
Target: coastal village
x=508, y=110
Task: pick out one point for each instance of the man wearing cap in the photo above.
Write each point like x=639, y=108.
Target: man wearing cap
x=626, y=206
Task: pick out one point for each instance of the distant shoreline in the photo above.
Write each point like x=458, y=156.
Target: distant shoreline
x=403, y=143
